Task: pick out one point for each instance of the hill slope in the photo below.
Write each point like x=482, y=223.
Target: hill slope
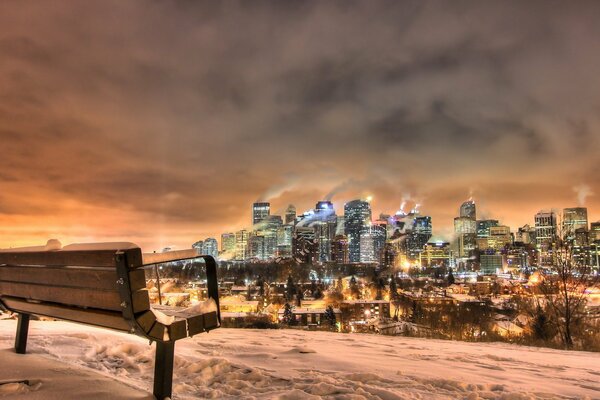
x=289, y=364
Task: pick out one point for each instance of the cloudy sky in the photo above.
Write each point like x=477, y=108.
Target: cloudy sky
x=161, y=122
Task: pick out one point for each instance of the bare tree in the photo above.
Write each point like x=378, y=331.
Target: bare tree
x=564, y=287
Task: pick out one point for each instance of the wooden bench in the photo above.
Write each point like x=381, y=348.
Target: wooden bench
x=104, y=285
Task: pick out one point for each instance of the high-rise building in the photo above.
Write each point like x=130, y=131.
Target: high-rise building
x=256, y=246
x=367, y=248
x=241, y=244
x=545, y=227
x=418, y=236
x=525, y=235
x=290, y=214
x=437, y=254
x=357, y=214
x=483, y=227
x=269, y=231
x=304, y=245
x=465, y=229
x=573, y=219
x=260, y=211
x=210, y=247
x=284, y=240
x=372, y=242
x=339, y=249
x=499, y=238
x=467, y=210
x=464, y=225
x=228, y=244
x=594, y=231
x=198, y=245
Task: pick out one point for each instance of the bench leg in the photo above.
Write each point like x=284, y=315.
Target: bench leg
x=163, y=369
x=22, y=330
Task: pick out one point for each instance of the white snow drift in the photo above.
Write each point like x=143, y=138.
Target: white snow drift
x=289, y=364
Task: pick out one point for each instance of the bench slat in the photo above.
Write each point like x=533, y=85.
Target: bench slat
x=105, y=300
x=95, y=278
x=82, y=258
x=107, y=319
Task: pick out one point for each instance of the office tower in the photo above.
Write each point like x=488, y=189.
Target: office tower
x=483, y=227
x=595, y=232
x=372, y=243
x=379, y=233
x=228, y=243
x=545, y=235
x=465, y=229
x=260, y=211
x=210, y=247
x=339, y=249
x=198, y=245
x=545, y=227
x=367, y=248
x=435, y=255
x=499, y=237
x=290, y=214
x=256, y=246
x=573, y=219
x=241, y=244
x=269, y=231
x=464, y=225
x=418, y=236
x=357, y=214
x=304, y=245
x=284, y=240
x=467, y=210
x=525, y=235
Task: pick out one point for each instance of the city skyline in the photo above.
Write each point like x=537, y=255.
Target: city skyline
x=159, y=123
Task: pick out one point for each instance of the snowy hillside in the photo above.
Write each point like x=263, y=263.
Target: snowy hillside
x=288, y=364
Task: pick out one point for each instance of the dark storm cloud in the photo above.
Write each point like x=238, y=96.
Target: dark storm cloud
x=174, y=117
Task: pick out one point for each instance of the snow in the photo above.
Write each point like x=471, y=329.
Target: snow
x=203, y=307
x=54, y=245
x=162, y=317
x=51, y=245
x=100, y=246
x=294, y=364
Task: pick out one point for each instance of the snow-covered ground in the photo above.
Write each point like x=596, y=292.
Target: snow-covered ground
x=289, y=364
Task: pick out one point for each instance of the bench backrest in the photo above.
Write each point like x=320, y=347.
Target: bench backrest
x=78, y=276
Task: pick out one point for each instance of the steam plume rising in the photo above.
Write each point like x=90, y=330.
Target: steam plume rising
x=583, y=191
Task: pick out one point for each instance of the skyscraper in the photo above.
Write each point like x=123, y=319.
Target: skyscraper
x=573, y=219
x=260, y=211
x=284, y=240
x=198, y=245
x=241, y=244
x=290, y=214
x=210, y=247
x=595, y=231
x=545, y=227
x=418, y=236
x=228, y=243
x=467, y=210
x=483, y=227
x=357, y=214
x=339, y=249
